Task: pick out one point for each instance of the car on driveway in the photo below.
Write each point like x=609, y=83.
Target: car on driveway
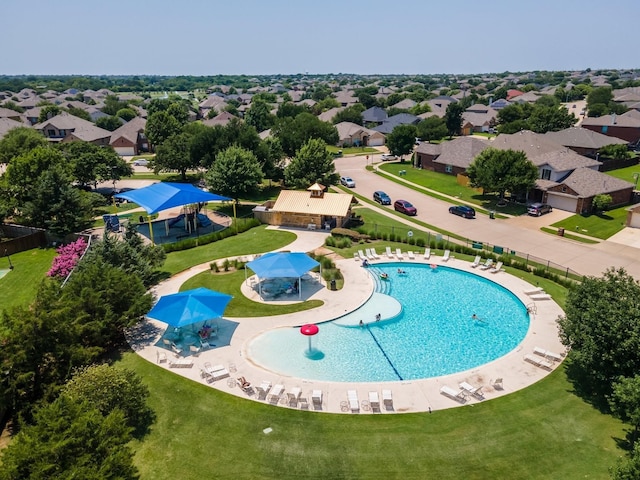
x=141, y=162
x=347, y=182
x=463, y=211
x=387, y=156
x=381, y=197
x=537, y=209
x=405, y=207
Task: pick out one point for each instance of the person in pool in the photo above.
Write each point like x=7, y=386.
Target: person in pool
x=384, y=275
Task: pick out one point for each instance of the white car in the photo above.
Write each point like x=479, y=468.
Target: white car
x=141, y=162
x=388, y=156
x=347, y=182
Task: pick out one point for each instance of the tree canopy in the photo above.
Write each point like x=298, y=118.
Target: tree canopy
x=431, y=128
x=453, y=118
x=174, y=155
x=501, y=171
x=312, y=163
x=235, y=173
x=294, y=133
x=401, y=140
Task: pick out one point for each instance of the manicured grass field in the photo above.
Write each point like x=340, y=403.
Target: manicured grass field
x=18, y=287
x=542, y=432
x=241, y=306
x=599, y=226
x=626, y=173
x=256, y=240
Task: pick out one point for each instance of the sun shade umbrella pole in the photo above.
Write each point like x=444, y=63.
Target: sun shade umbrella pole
x=150, y=229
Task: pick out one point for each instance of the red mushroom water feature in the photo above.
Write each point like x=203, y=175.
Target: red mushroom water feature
x=309, y=330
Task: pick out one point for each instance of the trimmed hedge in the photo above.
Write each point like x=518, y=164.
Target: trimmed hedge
x=212, y=237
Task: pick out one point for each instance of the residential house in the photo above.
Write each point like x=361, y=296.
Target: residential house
x=512, y=93
x=452, y=157
x=633, y=217
x=130, y=139
x=623, y=126
x=529, y=97
x=406, y=104
x=375, y=115
x=221, y=119
x=212, y=102
x=11, y=114
x=311, y=209
x=400, y=119
x=346, y=98
x=583, y=141
x=329, y=114
x=66, y=127
x=7, y=124
x=352, y=134
x=499, y=104
x=478, y=118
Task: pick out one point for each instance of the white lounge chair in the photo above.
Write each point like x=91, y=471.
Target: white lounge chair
x=487, y=265
x=263, y=390
x=195, y=350
x=538, y=362
x=181, y=363
x=369, y=254
x=276, y=392
x=457, y=395
x=411, y=255
x=293, y=396
x=399, y=254
x=161, y=356
x=362, y=255
x=316, y=398
x=354, y=404
x=427, y=254
x=387, y=398
x=374, y=401
x=497, y=268
x=446, y=255
x=540, y=296
x=534, y=291
x=556, y=357
x=375, y=254
x=471, y=390
x=389, y=254
x=476, y=261
x=497, y=384
x=356, y=256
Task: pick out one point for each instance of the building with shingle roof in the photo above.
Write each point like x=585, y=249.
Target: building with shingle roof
x=7, y=124
x=374, y=115
x=583, y=141
x=67, y=128
x=130, y=139
x=620, y=126
x=452, y=157
x=352, y=134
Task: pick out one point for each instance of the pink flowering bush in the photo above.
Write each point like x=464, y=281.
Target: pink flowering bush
x=67, y=258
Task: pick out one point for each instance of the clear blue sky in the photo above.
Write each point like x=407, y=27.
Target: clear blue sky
x=209, y=37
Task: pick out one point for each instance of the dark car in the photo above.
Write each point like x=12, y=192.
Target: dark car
x=537, y=209
x=405, y=207
x=382, y=198
x=463, y=211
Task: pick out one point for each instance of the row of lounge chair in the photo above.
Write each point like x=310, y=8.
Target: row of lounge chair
x=353, y=405
x=487, y=265
x=537, y=293
x=465, y=391
x=277, y=394
x=371, y=254
x=212, y=373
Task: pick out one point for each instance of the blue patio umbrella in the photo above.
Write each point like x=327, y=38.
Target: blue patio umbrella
x=189, y=307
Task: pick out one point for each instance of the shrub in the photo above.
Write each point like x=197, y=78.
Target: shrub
x=354, y=235
x=212, y=237
x=67, y=258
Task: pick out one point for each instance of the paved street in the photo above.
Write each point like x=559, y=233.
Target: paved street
x=521, y=234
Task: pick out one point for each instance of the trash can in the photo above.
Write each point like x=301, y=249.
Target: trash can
x=561, y=232
x=332, y=285
x=492, y=214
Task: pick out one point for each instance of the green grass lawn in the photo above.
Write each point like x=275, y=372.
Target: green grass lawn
x=626, y=173
x=352, y=150
x=599, y=226
x=542, y=432
x=241, y=306
x=448, y=185
x=18, y=287
x=256, y=240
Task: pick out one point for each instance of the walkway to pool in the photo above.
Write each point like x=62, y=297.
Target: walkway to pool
x=408, y=396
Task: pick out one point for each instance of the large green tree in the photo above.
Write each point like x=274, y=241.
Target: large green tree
x=312, y=163
x=92, y=163
x=601, y=326
x=110, y=123
x=351, y=114
x=174, y=155
x=71, y=439
x=625, y=402
x=401, y=140
x=236, y=173
x=19, y=141
x=453, y=118
x=502, y=171
x=160, y=126
x=431, y=128
x=294, y=133
x=550, y=119
x=259, y=115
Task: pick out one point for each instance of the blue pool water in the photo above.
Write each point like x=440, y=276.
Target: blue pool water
x=434, y=334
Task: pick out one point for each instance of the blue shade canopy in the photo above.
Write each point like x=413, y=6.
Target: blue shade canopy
x=191, y=306
x=162, y=196
x=282, y=264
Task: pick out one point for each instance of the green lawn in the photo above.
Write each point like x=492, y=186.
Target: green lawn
x=352, y=150
x=18, y=287
x=448, y=185
x=599, y=226
x=542, y=432
x=626, y=174
x=241, y=306
x=256, y=240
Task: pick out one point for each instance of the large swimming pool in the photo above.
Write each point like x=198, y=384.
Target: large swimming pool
x=434, y=335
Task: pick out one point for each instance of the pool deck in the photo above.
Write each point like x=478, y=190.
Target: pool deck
x=408, y=396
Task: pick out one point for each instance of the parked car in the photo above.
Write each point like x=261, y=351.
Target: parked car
x=141, y=162
x=347, y=182
x=381, y=197
x=388, y=156
x=405, y=207
x=538, y=209
x=463, y=211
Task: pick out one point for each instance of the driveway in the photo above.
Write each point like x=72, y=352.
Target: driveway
x=521, y=235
